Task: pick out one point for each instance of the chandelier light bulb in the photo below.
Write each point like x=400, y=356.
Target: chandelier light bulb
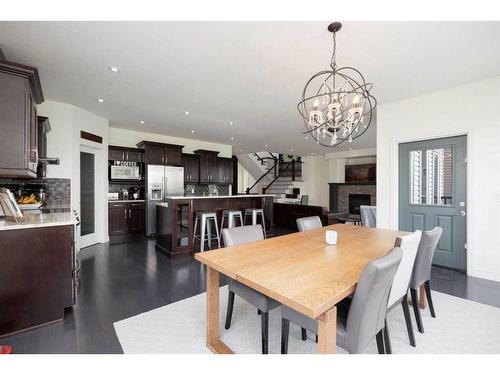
x=355, y=100
x=316, y=104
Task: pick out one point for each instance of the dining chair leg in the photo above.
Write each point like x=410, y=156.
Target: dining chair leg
x=409, y=326
x=229, y=314
x=316, y=339
x=416, y=310
x=380, y=342
x=264, y=318
x=387, y=339
x=304, y=334
x=429, y=298
x=285, y=329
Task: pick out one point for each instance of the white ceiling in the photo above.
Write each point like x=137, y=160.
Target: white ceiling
x=250, y=73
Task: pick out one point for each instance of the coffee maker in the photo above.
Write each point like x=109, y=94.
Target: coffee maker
x=134, y=193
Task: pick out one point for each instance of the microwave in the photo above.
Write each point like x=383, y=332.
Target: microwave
x=123, y=172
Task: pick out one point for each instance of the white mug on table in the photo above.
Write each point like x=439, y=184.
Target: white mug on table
x=331, y=237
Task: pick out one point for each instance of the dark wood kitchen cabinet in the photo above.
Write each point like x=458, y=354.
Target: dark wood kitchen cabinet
x=136, y=216
x=20, y=92
x=225, y=170
x=191, y=164
x=37, y=276
x=125, y=154
x=161, y=153
x=125, y=217
x=208, y=166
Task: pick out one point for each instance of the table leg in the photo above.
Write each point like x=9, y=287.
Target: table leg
x=421, y=299
x=327, y=331
x=213, y=341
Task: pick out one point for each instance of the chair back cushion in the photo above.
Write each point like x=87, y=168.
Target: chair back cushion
x=369, y=305
x=240, y=235
x=308, y=223
x=409, y=245
x=368, y=216
x=425, y=253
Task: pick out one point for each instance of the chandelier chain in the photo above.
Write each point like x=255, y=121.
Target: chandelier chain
x=333, y=63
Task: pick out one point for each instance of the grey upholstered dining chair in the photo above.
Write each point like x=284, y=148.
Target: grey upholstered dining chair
x=401, y=283
x=308, y=223
x=363, y=319
x=422, y=271
x=238, y=236
x=368, y=216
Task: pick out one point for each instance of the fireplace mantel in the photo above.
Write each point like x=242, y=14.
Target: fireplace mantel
x=357, y=187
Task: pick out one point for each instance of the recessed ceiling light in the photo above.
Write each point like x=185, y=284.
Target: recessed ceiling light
x=232, y=138
x=100, y=100
x=141, y=122
x=307, y=137
x=192, y=131
x=186, y=113
x=291, y=150
x=230, y=123
x=312, y=153
x=114, y=69
x=265, y=146
x=241, y=150
x=350, y=149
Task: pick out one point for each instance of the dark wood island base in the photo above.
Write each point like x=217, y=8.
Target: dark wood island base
x=175, y=218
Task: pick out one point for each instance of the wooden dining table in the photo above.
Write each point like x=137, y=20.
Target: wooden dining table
x=298, y=270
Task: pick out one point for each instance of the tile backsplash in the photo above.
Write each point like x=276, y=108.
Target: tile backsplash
x=57, y=190
x=200, y=190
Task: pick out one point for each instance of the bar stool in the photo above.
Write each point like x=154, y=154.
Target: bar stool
x=230, y=215
x=207, y=219
x=253, y=213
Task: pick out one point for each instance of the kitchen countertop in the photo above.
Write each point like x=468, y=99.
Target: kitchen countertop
x=220, y=196
x=37, y=220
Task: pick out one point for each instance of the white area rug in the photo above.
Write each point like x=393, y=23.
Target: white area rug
x=461, y=326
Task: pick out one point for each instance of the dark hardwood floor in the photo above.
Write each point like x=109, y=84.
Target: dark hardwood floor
x=122, y=280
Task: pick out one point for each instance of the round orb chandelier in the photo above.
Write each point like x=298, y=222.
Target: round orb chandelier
x=336, y=104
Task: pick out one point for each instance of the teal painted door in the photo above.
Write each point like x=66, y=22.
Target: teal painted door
x=432, y=192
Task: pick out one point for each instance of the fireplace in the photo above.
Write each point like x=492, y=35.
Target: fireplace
x=356, y=200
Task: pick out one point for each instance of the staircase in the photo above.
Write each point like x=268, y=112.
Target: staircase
x=260, y=165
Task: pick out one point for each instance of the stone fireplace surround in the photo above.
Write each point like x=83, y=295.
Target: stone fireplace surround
x=339, y=194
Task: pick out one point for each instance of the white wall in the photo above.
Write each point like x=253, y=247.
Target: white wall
x=59, y=139
x=315, y=184
x=245, y=179
x=63, y=142
x=474, y=110
x=130, y=138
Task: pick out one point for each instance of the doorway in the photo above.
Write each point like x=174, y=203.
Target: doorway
x=432, y=192
x=88, y=189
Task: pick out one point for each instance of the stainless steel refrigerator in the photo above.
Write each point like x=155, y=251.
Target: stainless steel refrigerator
x=162, y=182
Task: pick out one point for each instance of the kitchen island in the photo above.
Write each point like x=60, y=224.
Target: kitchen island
x=175, y=218
x=37, y=270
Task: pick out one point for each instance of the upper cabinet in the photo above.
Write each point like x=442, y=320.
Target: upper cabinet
x=125, y=154
x=208, y=166
x=225, y=170
x=161, y=153
x=191, y=164
x=20, y=92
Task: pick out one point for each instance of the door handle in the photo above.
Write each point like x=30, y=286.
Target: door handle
x=461, y=213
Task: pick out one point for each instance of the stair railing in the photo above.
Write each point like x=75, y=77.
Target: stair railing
x=282, y=170
x=274, y=167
